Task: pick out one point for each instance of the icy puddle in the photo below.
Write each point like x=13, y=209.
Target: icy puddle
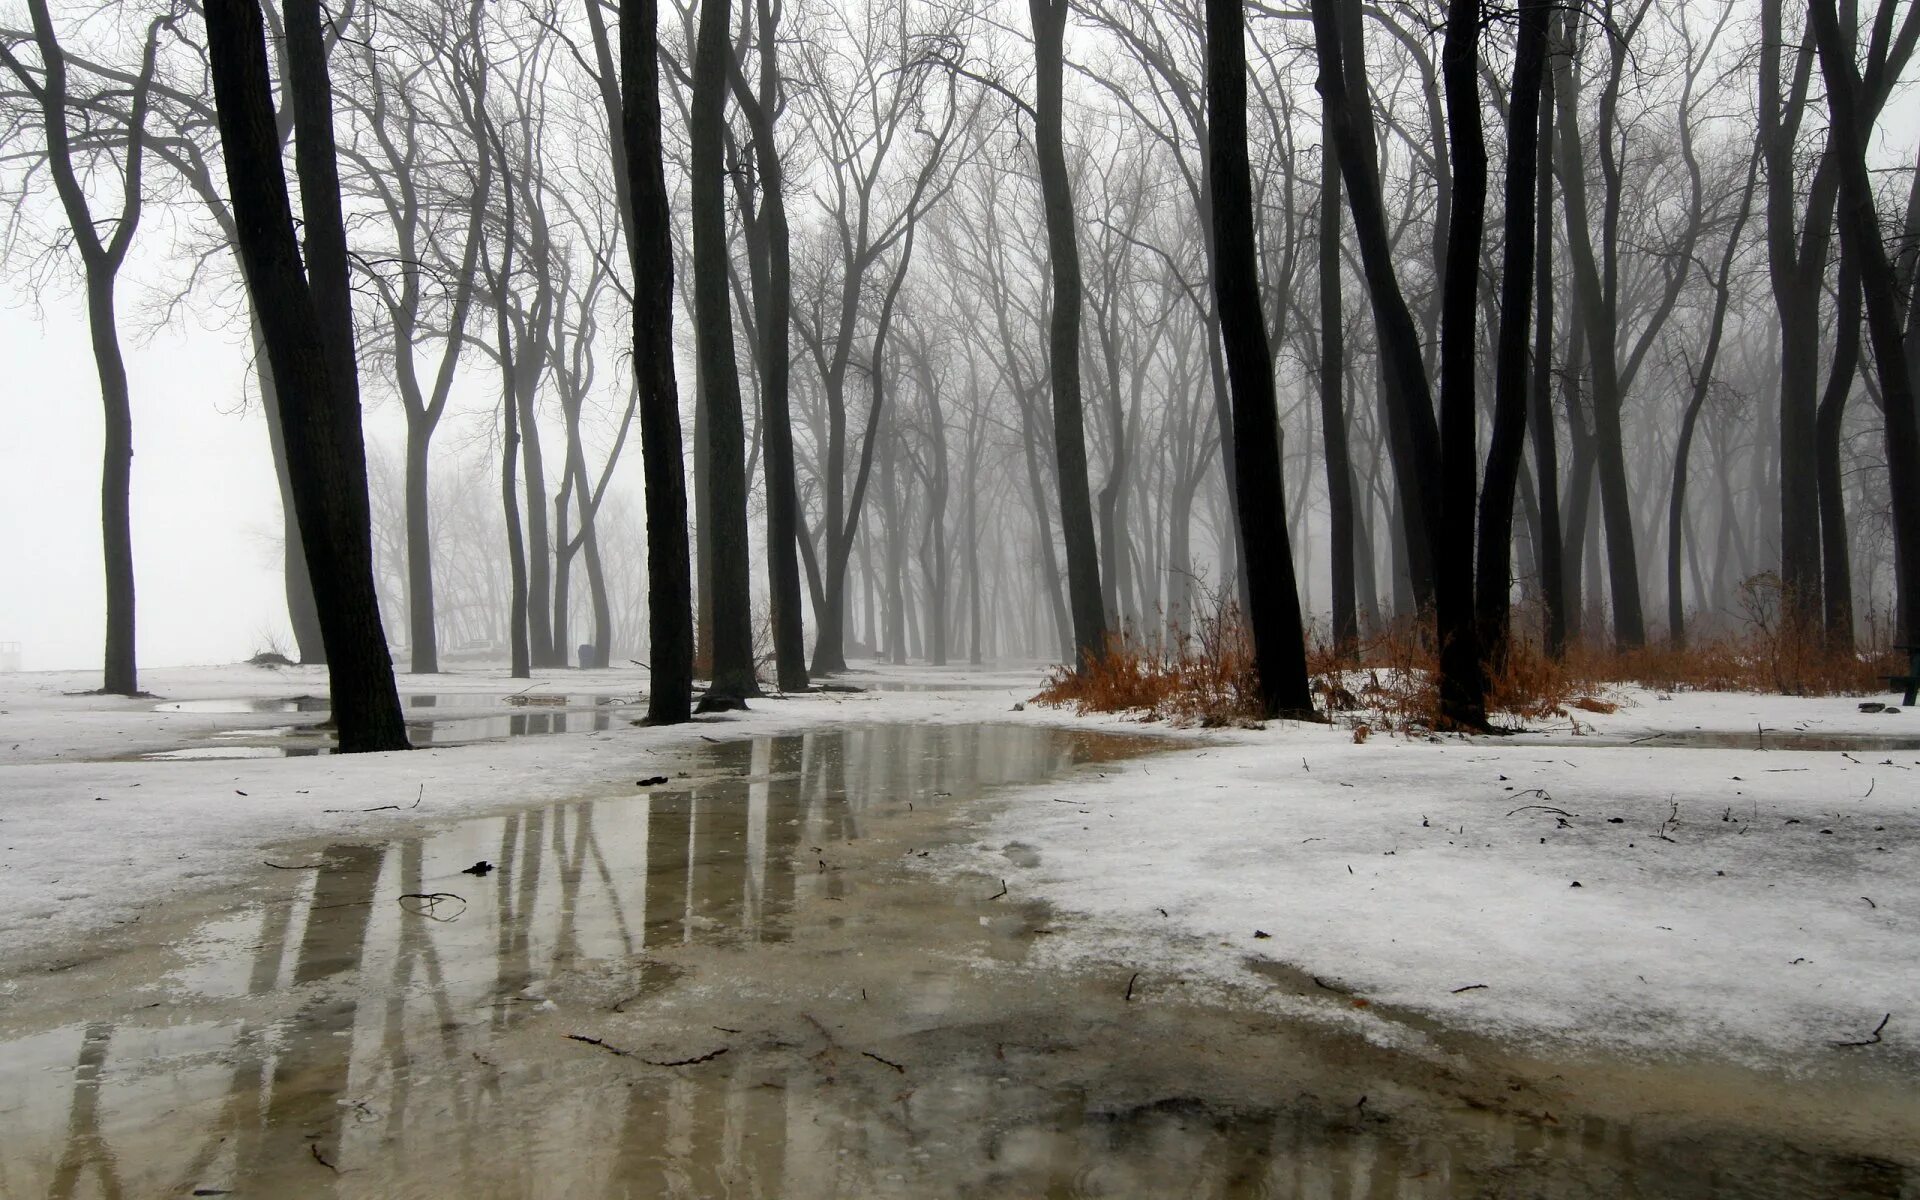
x=433, y=719
x=1777, y=739
x=745, y=982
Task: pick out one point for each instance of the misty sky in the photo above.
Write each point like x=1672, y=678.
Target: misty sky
x=206, y=513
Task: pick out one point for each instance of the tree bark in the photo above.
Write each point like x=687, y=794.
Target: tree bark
x=1860, y=235
x=1702, y=382
x=308, y=345
x=733, y=670
x=775, y=320
x=1493, y=588
x=1540, y=420
x=1273, y=614
x=1333, y=416
x=1463, y=679
x=1063, y=341
x=669, y=577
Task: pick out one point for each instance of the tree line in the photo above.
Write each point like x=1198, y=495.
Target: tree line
x=945, y=326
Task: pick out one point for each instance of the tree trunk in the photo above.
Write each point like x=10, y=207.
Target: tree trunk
x=1597, y=309
x=1861, y=238
x=1463, y=679
x=1540, y=420
x=1836, y=566
x=1493, y=588
x=774, y=321
x=1063, y=342
x=306, y=323
x=1333, y=416
x=1703, y=381
x=713, y=335
x=119, y=676
x=426, y=647
x=1273, y=613
x=301, y=613
x=669, y=578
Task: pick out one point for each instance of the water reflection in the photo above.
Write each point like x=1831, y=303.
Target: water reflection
x=448, y=727
x=336, y=1042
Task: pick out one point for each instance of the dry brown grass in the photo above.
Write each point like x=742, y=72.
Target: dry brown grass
x=1205, y=678
x=1386, y=683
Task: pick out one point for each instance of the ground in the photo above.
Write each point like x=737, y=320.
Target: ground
x=1598, y=887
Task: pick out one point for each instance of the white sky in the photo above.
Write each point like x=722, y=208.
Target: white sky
x=206, y=509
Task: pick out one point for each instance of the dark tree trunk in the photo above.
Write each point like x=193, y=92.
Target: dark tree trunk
x=774, y=321
x=1861, y=238
x=519, y=651
x=1463, y=679
x=426, y=646
x=1408, y=395
x=1598, y=310
x=1702, y=382
x=119, y=675
x=733, y=672
x=539, y=539
x=1063, y=340
x=1836, y=567
x=102, y=262
x=1333, y=415
x=1273, y=613
x=1493, y=588
x=1546, y=455
x=306, y=324
x=301, y=613
x=669, y=578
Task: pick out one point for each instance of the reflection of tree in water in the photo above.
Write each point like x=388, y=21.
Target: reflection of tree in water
x=413, y=1099
x=85, y=1146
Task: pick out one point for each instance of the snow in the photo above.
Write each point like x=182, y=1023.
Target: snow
x=91, y=835
x=1753, y=904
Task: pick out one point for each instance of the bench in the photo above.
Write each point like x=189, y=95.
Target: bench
x=1911, y=680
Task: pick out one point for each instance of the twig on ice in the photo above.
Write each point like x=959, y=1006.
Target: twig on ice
x=1872, y=1038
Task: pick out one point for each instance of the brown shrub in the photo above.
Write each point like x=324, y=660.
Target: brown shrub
x=1386, y=682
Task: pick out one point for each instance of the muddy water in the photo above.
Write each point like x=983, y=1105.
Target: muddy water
x=744, y=983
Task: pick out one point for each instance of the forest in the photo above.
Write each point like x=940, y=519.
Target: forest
x=741, y=340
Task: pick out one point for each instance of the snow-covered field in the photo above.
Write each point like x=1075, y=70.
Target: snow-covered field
x=1756, y=904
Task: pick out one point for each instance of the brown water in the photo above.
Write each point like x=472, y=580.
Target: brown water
x=784, y=1003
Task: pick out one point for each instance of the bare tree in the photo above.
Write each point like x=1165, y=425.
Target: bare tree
x=77, y=165
x=1063, y=356
x=1273, y=613
x=669, y=579
x=305, y=318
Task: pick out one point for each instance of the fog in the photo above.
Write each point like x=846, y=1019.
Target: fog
x=921, y=290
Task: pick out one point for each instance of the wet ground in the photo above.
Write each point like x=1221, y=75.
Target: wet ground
x=433, y=719
x=745, y=982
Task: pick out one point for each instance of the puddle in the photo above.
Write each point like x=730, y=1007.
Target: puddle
x=743, y=984
x=1776, y=739
x=447, y=719
x=434, y=700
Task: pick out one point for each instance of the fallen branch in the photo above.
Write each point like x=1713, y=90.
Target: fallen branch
x=283, y=867
x=1543, y=808
x=884, y=1061
x=321, y=1158
x=1001, y=892
x=1872, y=1038
x=1472, y=987
x=688, y=1062
x=429, y=901
x=1130, y=983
